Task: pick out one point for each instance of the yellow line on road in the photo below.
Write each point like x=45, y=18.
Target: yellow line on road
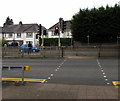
x=25, y=79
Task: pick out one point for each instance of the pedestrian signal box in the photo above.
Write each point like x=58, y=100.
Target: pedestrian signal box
x=27, y=68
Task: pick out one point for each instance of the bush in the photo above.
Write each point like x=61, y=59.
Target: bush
x=4, y=42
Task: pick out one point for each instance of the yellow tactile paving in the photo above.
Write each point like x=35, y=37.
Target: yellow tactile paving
x=25, y=79
x=116, y=83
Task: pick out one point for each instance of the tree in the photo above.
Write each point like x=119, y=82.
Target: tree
x=100, y=24
x=8, y=21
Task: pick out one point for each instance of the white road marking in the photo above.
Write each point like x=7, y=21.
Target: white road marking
x=108, y=83
x=56, y=69
x=102, y=72
x=106, y=79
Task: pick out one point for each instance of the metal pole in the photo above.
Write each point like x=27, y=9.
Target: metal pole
x=99, y=51
x=60, y=30
x=62, y=52
x=88, y=39
x=59, y=44
x=22, y=75
x=39, y=40
x=71, y=42
x=42, y=40
x=117, y=41
x=59, y=40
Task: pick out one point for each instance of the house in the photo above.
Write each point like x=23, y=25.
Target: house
x=21, y=33
x=66, y=34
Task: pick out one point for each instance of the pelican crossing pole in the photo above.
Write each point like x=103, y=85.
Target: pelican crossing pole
x=60, y=30
x=26, y=68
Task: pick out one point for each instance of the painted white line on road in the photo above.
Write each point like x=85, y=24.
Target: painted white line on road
x=106, y=79
x=51, y=75
x=99, y=65
x=108, y=83
x=102, y=71
x=56, y=70
x=61, y=64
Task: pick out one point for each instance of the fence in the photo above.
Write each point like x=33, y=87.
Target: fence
x=19, y=70
x=104, y=50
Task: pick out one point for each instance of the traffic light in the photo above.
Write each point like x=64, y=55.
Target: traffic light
x=40, y=29
x=61, y=22
x=64, y=26
x=56, y=30
x=37, y=36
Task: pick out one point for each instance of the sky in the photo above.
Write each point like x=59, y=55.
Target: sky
x=46, y=12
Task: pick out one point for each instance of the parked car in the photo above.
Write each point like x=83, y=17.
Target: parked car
x=12, y=44
x=24, y=48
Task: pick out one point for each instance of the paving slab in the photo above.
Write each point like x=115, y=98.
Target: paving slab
x=59, y=91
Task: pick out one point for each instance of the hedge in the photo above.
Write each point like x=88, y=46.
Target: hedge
x=54, y=41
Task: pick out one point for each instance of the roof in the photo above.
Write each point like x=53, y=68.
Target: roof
x=68, y=25
x=20, y=28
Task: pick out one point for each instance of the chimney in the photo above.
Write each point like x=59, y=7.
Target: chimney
x=20, y=23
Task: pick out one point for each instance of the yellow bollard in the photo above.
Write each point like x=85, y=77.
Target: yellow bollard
x=27, y=68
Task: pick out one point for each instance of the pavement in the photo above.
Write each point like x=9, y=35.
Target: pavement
x=59, y=91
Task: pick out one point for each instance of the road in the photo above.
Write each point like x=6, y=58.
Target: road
x=74, y=71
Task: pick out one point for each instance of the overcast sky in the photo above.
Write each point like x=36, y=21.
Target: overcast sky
x=46, y=12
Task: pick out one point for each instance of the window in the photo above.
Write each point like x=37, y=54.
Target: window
x=5, y=35
x=10, y=35
x=52, y=33
x=27, y=42
x=68, y=34
x=18, y=35
x=29, y=35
